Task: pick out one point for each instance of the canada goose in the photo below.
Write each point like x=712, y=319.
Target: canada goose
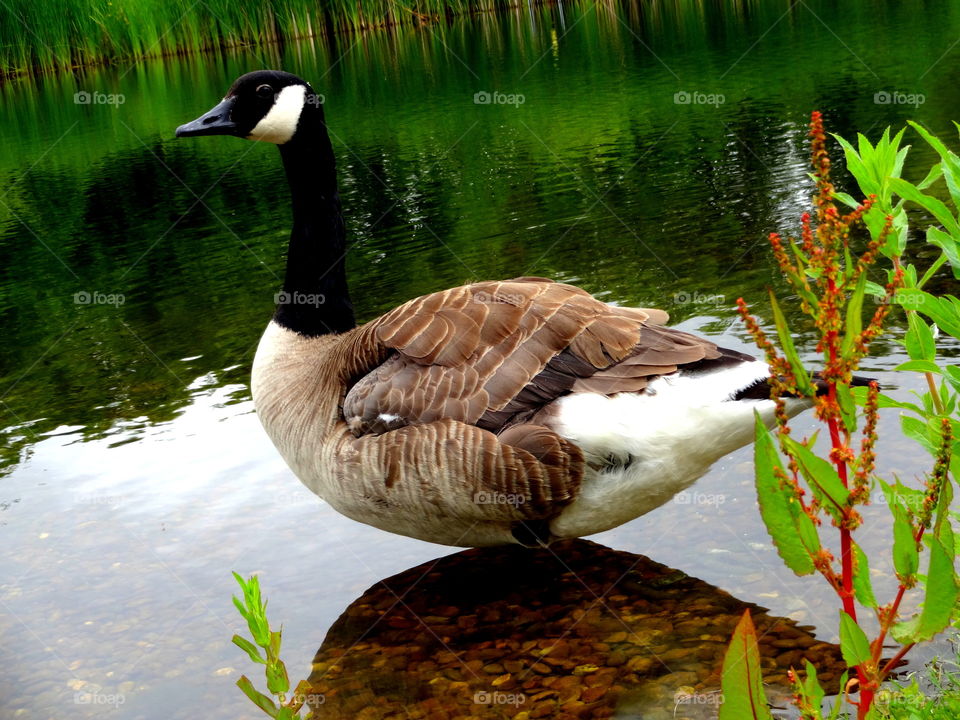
x=519, y=411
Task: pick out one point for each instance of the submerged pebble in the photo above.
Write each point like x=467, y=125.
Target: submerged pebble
x=578, y=631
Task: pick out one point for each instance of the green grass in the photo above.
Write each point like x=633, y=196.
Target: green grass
x=933, y=694
x=46, y=35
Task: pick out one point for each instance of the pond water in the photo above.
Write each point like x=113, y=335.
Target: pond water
x=643, y=154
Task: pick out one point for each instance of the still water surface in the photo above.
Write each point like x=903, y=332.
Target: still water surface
x=651, y=154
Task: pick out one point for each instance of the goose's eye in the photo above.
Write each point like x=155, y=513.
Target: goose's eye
x=264, y=91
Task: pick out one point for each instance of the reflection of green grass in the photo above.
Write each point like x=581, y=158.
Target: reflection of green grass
x=60, y=34
x=44, y=35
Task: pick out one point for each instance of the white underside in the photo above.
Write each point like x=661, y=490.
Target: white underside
x=662, y=441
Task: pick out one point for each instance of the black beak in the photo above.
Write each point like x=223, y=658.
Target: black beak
x=214, y=122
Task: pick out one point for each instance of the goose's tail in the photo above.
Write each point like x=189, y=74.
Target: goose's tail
x=760, y=390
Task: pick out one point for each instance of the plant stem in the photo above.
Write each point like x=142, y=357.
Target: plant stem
x=846, y=543
x=934, y=393
x=894, y=661
x=846, y=561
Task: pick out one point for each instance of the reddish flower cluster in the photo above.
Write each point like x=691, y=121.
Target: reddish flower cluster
x=868, y=457
x=940, y=469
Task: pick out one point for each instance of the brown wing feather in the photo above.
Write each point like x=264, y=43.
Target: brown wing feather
x=444, y=393
x=446, y=467
x=492, y=354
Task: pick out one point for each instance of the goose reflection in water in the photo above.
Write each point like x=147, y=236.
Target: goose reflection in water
x=573, y=631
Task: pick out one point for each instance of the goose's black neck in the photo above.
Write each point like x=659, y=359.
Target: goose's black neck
x=314, y=300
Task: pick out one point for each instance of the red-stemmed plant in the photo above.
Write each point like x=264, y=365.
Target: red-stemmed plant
x=799, y=488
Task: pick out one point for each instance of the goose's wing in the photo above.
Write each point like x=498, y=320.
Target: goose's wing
x=493, y=354
x=460, y=376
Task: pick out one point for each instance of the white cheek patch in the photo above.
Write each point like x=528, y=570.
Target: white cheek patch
x=279, y=125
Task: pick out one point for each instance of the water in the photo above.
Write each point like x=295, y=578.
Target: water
x=137, y=272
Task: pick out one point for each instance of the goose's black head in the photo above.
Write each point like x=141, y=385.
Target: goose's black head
x=268, y=105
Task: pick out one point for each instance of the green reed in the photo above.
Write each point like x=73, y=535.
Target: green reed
x=46, y=35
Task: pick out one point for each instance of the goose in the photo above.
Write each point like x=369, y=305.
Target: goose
x=515, y=411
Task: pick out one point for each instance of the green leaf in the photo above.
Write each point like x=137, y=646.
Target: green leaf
x=932, y=176
x=240, y=607
x=948, y=244
x=950, y=163
x=847, y=199
x=854, y=645
x=944, y=311
x=921, y=432
x=741, y=683
x=808, y=692
x=862, y=587
x=839, y=704
x=952, y=373
x=822, y=477
x=884, y=401
x=876, y=291
x=923, y=366
x=253, y=609
x=277, y=679
x=939, y=600
x=792, y=531
x=919, y=339
x=262, y=701
x=906, y=558
x=848, y=408
x=854, y=319
x=811, y=686
x=910, y=498
x=789, y=350
x=855, y=164
x=249, y=648
x=935, y=207
x=275, y=639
